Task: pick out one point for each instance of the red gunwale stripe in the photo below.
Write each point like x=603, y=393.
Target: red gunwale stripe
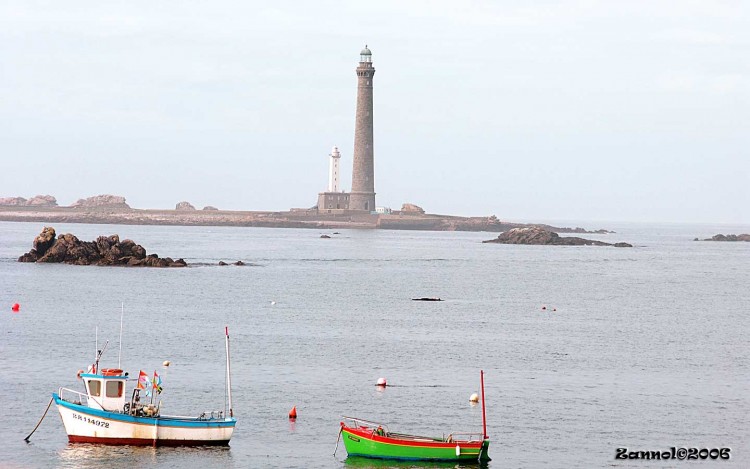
x=367, y=434
x=144, y=441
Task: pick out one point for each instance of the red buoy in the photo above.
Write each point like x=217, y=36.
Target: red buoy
x=16, y=307
x=293, y=413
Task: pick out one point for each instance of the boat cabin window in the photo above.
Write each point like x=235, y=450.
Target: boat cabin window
x=114, y=388
x=95, y=387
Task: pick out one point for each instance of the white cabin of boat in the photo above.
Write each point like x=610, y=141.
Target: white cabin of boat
x=105, y=390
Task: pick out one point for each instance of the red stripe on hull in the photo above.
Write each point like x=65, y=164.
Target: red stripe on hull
x=144, y=441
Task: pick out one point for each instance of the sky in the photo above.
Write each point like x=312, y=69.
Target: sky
x=548, y=110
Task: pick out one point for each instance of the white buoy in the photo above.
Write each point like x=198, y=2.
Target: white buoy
x=273, y=302
x=474, y=398
x=458, y=450
x=166, y=363
x=382, y=382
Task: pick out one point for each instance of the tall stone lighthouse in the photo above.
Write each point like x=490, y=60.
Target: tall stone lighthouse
x=362, y=196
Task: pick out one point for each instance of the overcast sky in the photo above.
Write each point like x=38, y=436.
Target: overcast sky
x=621, y=110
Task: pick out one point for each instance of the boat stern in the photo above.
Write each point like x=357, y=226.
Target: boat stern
x=484, y=452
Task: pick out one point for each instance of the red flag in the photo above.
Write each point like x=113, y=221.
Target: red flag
x=142, y=380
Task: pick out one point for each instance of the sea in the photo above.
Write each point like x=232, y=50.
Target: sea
x=584, y=349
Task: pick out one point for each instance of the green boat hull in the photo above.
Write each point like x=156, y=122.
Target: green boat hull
x=374, y=446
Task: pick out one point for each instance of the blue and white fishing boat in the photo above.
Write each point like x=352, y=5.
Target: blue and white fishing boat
x=107, y=414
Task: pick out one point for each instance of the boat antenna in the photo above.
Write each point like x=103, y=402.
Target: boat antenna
x=99, y=354
x=229, y=374
x=122, y=313
x=484, y=413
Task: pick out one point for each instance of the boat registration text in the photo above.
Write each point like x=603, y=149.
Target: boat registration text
x=98, y=423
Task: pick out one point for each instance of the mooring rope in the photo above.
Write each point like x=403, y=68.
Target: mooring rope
x=40, y=421
x=337, y=441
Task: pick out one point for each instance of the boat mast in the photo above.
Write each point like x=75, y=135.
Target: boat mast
x=119, y=356
x=229, y=374
x=484, y=414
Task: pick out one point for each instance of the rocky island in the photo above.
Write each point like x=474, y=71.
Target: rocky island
x=729, y=237
x=105, y=250
x=534, y=235
x=113, y=209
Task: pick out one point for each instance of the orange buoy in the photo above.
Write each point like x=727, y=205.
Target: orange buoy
x=78, y=375
x=293, y=413
x=16, y=307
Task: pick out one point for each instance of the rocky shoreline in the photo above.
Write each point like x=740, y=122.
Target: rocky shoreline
x=541, y=237
x=105, y=250
x=121, y=214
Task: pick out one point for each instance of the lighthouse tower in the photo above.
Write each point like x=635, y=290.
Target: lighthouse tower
x=333, y=200
x=334, y=183
x=362, y=196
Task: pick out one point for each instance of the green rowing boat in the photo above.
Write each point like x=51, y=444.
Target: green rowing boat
x=373, y=440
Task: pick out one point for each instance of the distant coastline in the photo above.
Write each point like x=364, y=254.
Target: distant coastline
x=123, y=215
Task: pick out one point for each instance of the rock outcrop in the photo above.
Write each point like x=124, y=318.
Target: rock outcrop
x=210, y=207
x=411, y=208
x=13, y=201
x=36, y=201
x=105, y=250
x=538, y=236
x=41, y=245
x=184, y=206
x=42, y=201
x=729, y=237
x=105, y=201
x=239, y=263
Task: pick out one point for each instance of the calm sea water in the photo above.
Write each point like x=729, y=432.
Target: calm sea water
x=648, y=348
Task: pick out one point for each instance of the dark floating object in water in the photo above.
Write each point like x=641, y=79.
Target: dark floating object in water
x=325, y=236
x=427, y=298
x=336, y=232
x=240, y=263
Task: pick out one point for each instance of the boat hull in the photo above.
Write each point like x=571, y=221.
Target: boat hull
x=365, y=443
x=86, y=425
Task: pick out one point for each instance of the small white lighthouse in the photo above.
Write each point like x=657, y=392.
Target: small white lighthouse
x=333, y=198
x=334, y=182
